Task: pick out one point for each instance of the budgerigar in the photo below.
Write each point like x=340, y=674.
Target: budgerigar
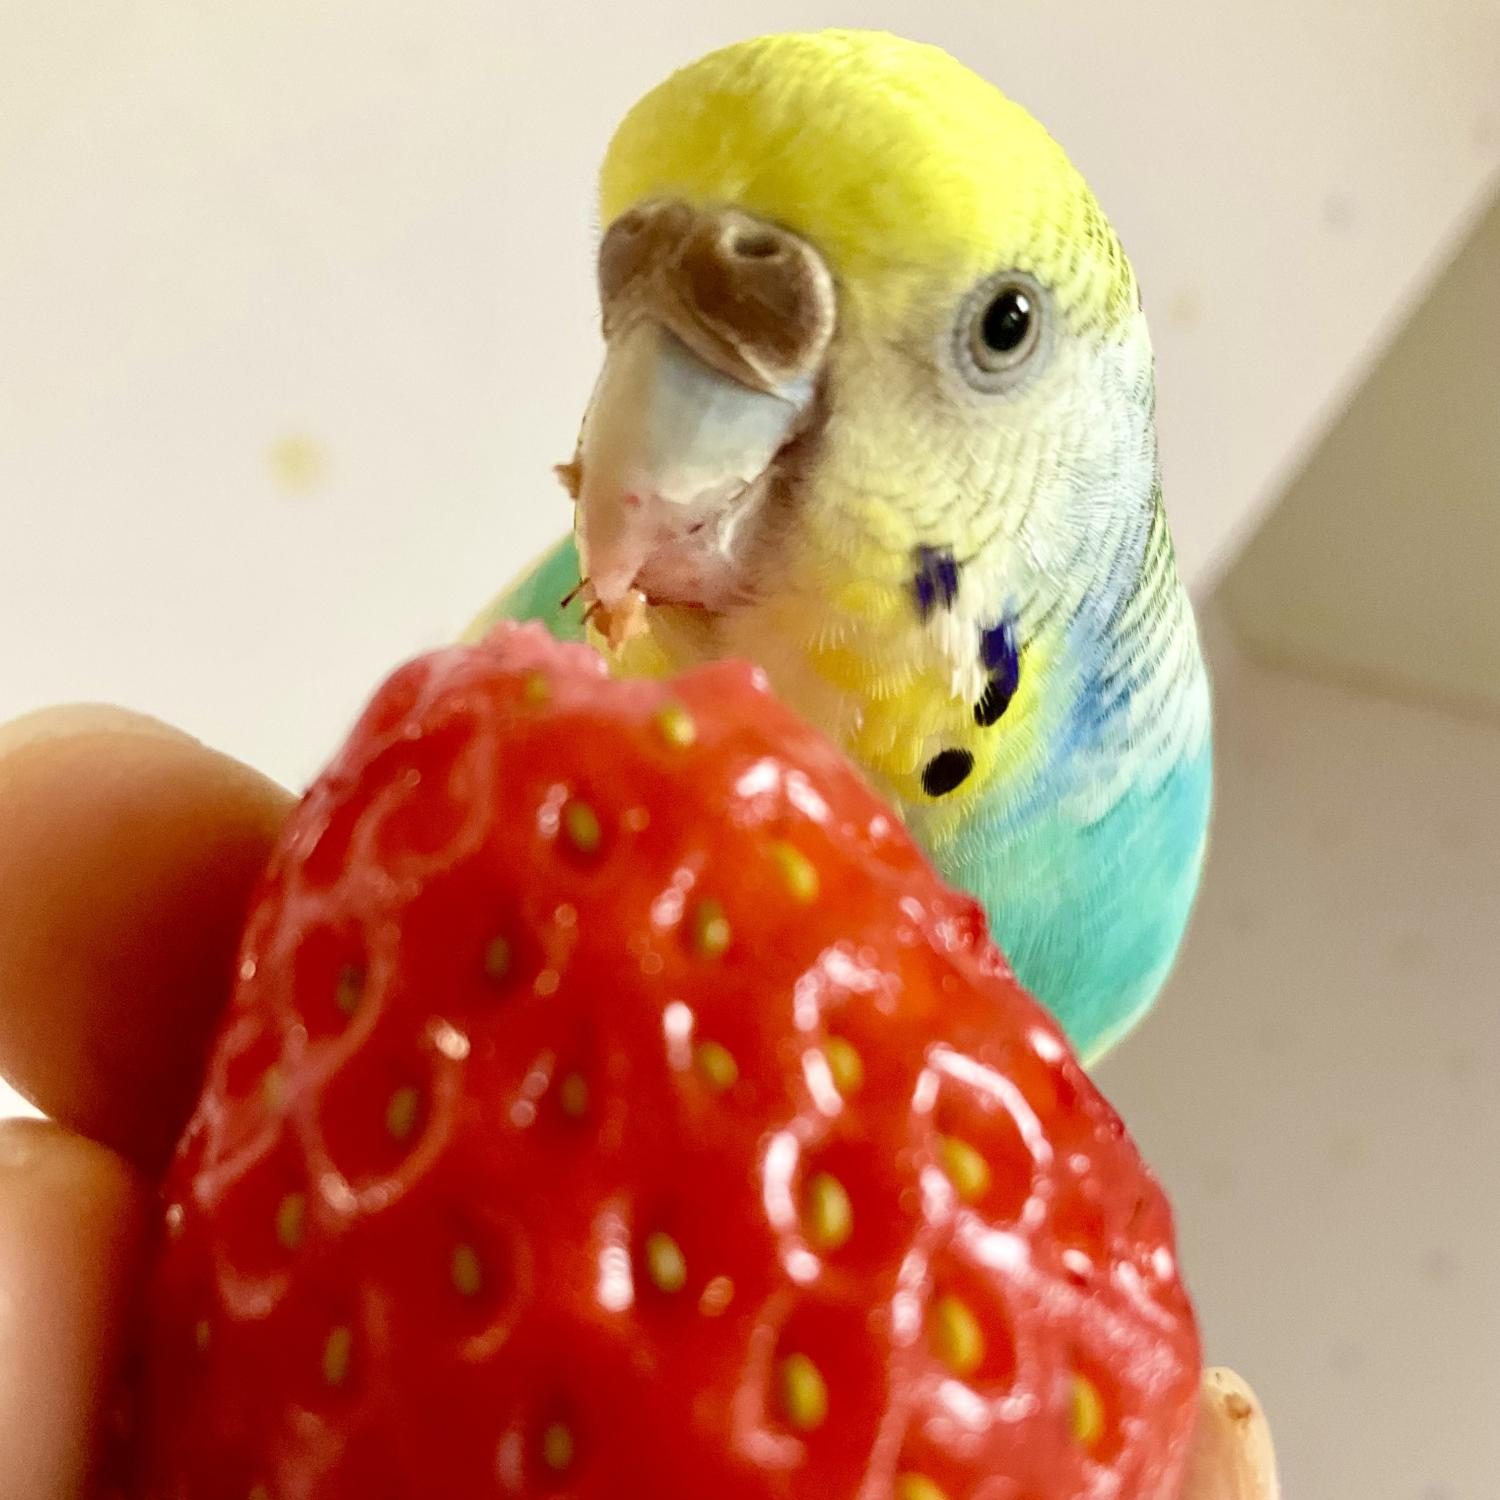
x=877, y=412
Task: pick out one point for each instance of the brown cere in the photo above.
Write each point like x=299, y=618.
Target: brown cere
x=746, y=296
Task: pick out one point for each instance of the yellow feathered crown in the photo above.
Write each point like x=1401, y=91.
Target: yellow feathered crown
x=910, y=173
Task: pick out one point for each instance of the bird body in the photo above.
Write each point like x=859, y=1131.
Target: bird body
x=883, y=421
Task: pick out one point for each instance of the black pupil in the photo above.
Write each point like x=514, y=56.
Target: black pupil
x=1006, y=320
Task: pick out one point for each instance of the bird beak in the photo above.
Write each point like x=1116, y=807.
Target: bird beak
x=716, y=327
x=672, y=460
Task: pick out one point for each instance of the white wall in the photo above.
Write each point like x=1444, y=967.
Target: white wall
x=1317, y=1087
x=1382, y=559
x=368, y=225
x=365, y=228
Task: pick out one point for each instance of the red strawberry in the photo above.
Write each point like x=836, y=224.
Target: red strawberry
x=615, y=1104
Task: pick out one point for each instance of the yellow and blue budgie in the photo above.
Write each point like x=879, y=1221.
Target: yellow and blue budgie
x=877, y=412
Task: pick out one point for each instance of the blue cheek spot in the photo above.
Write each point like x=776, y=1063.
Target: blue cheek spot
x=935, y=582
x=997, y=647
x=1001, y=658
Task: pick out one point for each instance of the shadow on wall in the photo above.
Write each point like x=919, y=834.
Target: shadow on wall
x=1380, y=562
x=1316, y=1086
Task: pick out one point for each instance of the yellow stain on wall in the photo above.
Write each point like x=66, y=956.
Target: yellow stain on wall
x=298, y=464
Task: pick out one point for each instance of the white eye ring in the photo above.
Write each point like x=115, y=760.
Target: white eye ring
x=1001, y=331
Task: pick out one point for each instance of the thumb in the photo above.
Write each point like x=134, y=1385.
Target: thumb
x=1232, y=1457
x=72, y=1220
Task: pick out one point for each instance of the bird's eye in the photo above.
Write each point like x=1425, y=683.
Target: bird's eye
x=1006, y=324
x=1000, y=332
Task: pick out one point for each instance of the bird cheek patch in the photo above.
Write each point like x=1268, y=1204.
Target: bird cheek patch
x=1000, y=657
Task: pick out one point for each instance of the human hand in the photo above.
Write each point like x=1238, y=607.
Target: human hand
x=128, y=856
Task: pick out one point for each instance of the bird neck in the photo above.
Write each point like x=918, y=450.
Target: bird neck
x=1140, y=706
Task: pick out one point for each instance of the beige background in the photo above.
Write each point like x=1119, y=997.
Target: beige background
x=295, y=313
x=1317, y=1086
x=364, y=227
x=1402, y=501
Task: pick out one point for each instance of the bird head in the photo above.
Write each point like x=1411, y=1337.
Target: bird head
x=858, y=306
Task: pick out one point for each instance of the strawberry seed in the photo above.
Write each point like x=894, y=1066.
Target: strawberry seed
x=291, y=1214
x=336, y=1354
x=717, y=1065
x=557, y=1447
x=466, y=1271
x=957, y=1335
x=830, y=1218
x=804, y=1395
x=664, y=1263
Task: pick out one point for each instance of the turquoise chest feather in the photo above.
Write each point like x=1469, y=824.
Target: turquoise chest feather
x=1091, y=913
x=1088, y=866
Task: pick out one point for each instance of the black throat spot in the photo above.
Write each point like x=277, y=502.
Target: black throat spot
x=946, y=771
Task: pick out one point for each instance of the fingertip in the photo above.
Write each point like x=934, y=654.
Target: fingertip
x=65, y=720
x=1232, y=1455
x=63, y=1174
x=130, y=855
x=72, y=1224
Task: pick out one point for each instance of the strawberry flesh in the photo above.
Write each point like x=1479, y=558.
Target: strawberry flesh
x=613, y=1103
